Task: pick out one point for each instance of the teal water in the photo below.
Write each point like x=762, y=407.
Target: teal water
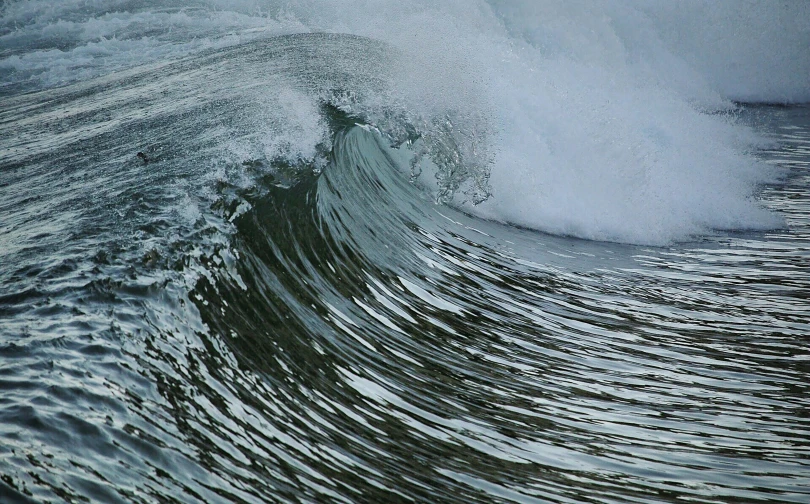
x=282, y=304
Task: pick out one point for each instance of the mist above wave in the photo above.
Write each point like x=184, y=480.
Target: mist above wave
x=611, y=120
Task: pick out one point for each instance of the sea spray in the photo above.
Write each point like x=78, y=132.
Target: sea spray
x=607, y=120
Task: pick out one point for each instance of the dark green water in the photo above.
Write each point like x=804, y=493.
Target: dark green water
x=192, y=329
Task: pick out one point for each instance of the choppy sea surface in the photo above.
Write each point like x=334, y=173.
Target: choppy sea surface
x=325, y=251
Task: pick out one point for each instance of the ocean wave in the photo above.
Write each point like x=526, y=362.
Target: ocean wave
x=254, y=266
x=593, y=121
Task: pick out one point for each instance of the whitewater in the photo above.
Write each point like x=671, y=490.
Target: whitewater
x=375, y=251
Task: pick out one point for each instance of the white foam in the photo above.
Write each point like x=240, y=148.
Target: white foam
x=600, y=118
x=285, y=125
x=605, y=135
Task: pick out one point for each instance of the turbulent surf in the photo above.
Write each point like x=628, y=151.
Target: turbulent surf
x=458, y=251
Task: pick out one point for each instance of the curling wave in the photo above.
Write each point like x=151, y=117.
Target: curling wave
x=269, y=265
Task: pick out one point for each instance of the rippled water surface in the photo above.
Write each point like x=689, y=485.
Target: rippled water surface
x=196, y=330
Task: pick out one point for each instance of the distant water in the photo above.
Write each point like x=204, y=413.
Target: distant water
x=447, y=251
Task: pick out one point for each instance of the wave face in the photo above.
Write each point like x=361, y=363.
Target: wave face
x=324, y=251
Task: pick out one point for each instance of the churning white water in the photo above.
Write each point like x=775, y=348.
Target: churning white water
x=609, y=120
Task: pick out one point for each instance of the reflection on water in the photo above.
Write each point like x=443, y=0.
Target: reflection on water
x=352, y=341
x=462, y=359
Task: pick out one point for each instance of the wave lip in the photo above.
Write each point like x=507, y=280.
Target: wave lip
x=577, y=118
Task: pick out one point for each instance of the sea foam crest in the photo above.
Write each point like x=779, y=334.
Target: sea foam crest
x=607, y=120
